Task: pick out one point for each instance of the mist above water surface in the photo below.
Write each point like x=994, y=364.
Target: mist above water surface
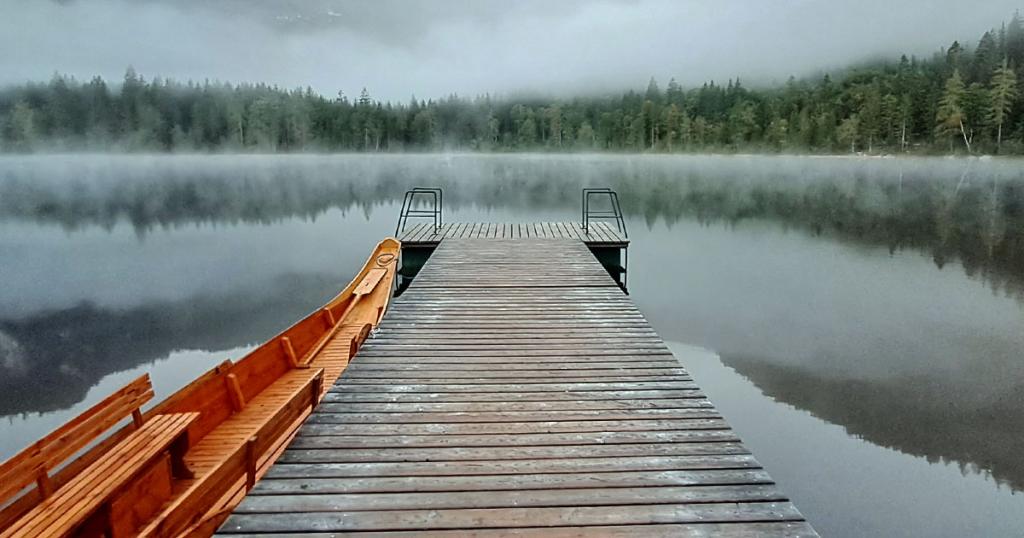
x=883, y=296
x=953, y=209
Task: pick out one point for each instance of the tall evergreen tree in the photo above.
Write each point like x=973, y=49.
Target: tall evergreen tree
x=986, y=58
x=1015, y=41
x=1003, y=95
x=950, y=114
x=848, y=132
x=21, y=130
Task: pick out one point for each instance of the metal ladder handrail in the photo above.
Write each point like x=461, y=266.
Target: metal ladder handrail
x=408, y=201
x=615, y=213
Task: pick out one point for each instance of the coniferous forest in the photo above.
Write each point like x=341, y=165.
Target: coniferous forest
x=965, y=99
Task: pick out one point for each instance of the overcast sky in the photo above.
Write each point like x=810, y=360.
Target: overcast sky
x=397, y=48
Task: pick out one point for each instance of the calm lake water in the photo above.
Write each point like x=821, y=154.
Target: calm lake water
x=860, y=322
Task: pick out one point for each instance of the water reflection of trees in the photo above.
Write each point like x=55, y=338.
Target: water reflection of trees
x=979, y=224
x=908, y=415
x=971, y=211
x=54, y=358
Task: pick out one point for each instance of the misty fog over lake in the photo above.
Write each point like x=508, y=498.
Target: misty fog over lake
x=863, y=314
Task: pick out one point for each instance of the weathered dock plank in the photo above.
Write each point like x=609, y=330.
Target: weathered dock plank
x=515, y=390
x=597, y=233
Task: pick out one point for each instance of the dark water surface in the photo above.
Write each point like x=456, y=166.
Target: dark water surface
x=866, y=316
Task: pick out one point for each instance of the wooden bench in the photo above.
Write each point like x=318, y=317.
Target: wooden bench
x=106, y=489
x=229, y=460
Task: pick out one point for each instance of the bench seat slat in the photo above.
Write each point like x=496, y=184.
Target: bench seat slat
x=48, y=452
x=65, y=507
x=116, y=472
x=218, y=444
x=219, y=458
x=59, y=514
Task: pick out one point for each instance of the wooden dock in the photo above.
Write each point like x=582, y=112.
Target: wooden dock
x=514, y=389
x=596, y=234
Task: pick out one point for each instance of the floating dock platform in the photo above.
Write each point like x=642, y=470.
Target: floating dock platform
x=514, y=389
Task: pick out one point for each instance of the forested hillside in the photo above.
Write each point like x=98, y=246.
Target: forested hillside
x=965, y=99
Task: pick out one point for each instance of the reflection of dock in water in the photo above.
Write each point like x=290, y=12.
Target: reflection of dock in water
x=514, y=389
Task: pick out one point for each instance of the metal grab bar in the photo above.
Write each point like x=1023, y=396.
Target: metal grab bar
x=615, y=213
x=436, y=197
x=621, y=272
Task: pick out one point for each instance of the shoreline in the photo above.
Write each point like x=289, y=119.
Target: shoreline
x=491, y=154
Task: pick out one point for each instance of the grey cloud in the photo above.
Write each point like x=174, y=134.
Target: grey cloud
x=431, y=48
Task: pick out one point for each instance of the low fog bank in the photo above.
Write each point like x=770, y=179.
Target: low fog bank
x=147, y=191
x=952, y=209
x=472, y=47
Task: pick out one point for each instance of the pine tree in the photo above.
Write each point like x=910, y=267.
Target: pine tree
x=674, y=94
x=653, y=92
x=585, y=136
x=1015, y=41
x=976, y=105
x=22, y=127
x=742, y=122
x=364, y=98
x=986, y=58
x=951, y=115
x=1002, y=96
x=527, y=133
x=649, y=116
x=670, y=117
x=905, y=115
x=775, y=133
x=954, y=56
x=423, y=127
x=554, y=116
x=493, y=130
x=848, y=132
x=870, y=114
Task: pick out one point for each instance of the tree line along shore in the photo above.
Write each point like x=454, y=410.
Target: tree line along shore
x=965, y=99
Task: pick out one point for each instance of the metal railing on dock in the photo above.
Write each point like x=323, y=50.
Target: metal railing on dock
x=613, y=213
x=409, y=201
x=609, y=243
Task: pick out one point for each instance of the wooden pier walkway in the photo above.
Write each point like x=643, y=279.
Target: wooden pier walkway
x=599, y=234
x=514, y=389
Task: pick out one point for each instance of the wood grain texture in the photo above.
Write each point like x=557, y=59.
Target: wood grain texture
x=513, y=389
